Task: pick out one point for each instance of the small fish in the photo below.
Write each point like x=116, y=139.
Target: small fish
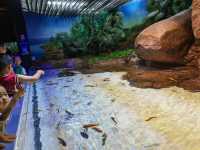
x=89, y=103
x=58, y=125
x=69, y=113
x=90, y=85
x=51, y=104
x=106, y=79
x=90, y=125
x=97, y=129
x=84, y=135
x=62, y=142
x=76, y=103
x=114, y=120
x=153, y=145
x=66, y=86
x=112, y=100
x=52, y=84
x=104, y=138
x=150, y=118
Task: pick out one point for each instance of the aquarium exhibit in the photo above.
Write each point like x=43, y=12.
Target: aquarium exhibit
x=100, y=75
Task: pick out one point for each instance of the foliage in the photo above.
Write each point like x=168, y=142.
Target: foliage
x=12, y=47
x=160, y=9
x=91, y=35
x=110, y=56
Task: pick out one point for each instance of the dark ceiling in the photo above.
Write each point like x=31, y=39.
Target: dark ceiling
x=7, y=31
x=69, y=7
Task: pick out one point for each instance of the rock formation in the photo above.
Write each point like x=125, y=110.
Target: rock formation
x=167, y=41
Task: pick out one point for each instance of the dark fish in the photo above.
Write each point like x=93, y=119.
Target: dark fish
x=69, y=115
x=112, y=100
x=104, y=138
x=90, y=125
x=84, y=135
x=114, y=120
x=51, y=104
x=52, y=84
x=89, y=103
x=90, y=85
x=106, y=79
x=62, y=142
x=150, y=118
x=97, y=129
x=153, y=145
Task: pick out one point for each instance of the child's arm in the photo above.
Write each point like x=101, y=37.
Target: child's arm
x=35, y=77
x=6, y=112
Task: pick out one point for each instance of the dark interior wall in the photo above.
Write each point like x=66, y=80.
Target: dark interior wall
x=7, y=32
x=11, y=20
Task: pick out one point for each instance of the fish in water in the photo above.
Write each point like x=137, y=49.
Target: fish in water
x=97, y=129
x=90, y=125
x=114, y=120
x=89, y=103
x=90, y=85
x=62, y=142
x=106, y=79
x=84, y=135
x=150, y=118
x=69, y=115
x=104, y=138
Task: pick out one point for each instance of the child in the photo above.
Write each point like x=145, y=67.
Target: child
x=6, y=107
x=18, y=68
x=9, y=79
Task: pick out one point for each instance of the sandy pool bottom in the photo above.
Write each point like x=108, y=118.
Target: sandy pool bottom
x=126, y=118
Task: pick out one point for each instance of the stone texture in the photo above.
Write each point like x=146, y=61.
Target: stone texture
x=166, y=41
x=161, y=78
x=193, y=56
x=196, y=18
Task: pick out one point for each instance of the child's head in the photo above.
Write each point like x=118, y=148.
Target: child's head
x=4, y=98
x=2, y=48
x=5, y=64
x=18, y=60
x=3, y=94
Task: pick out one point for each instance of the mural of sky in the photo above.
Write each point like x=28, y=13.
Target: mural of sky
x=134, y=12
x=41, y=28
x=45, y=27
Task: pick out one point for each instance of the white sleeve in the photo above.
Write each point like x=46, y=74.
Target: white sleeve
x=24, y=71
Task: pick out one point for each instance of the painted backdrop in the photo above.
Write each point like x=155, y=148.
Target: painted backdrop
x=41, y=28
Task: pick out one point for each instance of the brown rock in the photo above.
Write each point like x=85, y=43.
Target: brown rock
x=161, y=78
x=193, y=56
x=196, y=18
x=167, y=41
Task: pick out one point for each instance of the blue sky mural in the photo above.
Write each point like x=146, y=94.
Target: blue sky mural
x=41, y=28
x=134, y=11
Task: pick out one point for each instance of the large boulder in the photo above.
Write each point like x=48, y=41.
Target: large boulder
x=167, y=41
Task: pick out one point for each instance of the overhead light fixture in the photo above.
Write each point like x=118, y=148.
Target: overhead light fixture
x=65, y=3
x=69, y=7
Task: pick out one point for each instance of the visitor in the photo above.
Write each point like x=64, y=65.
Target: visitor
x=12, y=81
x=6, y=107
x=18, y=68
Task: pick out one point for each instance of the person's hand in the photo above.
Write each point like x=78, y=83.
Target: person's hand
x=41, y=72
x=20, y=92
